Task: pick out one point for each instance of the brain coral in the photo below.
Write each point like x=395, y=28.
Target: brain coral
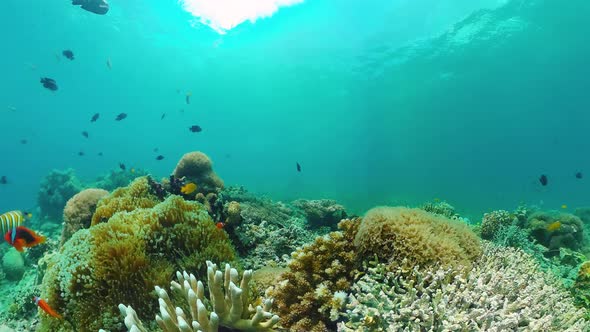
x=137, y=195
x=13, y=265
x=413, y=237
x=120, y=261
x=78, y=211
x=198, y=168
x=569, y=234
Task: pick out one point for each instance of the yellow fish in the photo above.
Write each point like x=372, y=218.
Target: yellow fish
x=554, y=226
x=133, y=170
x=437, y=200
x=9, y=221
x=188, y=188
x=563, y=206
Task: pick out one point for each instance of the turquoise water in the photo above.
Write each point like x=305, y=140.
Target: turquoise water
x=381, y=102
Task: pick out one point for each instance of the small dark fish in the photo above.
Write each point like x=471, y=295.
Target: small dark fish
x=3, y=179
x=156, y=149
x=543, y=179
x=95, y=117
x=163, y=116
x=85, y=134
x=188, y=98
x=160, y=157
x=81, y=153
x=68, y=54
x=99, y=7
x=182, y=110
x=195, y=129
x=23, y=141
x=579, y=175
x=49, y=83
x=100, y=154
x=122, y=166
x=120, y=117
x=298, y=167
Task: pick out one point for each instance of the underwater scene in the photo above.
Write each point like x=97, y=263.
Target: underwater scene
x=295, y=165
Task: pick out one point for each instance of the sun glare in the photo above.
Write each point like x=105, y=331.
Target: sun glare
x=224, y=15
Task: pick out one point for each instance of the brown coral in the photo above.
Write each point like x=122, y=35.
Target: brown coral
x=411, y=237
x=78, y=211
x=197, y=167
x=137, y=195
x=569, y=233
x=304, y=295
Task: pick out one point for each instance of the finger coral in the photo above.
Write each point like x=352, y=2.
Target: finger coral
x=198, y=168
x=505, y=291
x=121, y=260
x=399, y=235
x=79, y=210
x=228, y=305
x=307, y=294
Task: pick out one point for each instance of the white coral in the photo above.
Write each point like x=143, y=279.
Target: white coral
x=228, y=301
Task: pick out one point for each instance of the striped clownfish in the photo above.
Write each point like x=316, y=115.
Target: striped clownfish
x=9, y=221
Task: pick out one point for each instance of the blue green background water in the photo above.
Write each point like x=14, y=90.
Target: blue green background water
x=381, y=102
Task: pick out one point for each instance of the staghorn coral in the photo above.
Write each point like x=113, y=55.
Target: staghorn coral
x=79, y=210
x=56, y=188
x=228, y=305
x=137, y=195
x=493, y=221
x=570, y=233
x=121, y=260
x=304, y=295
x=197, y=167
x=399, y=235
x=321, y=212
x=504, y=292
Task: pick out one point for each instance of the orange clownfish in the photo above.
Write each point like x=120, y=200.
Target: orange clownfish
x=220, y=225
x=45, y=306
x=23, y=237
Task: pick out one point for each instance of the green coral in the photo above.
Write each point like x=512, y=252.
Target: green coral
x=494, y=221
x=121, y=260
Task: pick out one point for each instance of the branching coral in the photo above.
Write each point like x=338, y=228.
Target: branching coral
x=198, y=168
x=56, y=188
x=413, y=237
x=79, y=210
x=504, y=292
x=305, y=295
x=119, y=261
x=228, y=305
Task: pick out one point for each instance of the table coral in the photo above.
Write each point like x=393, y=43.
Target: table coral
x=229, y=306
x=305, y=295
x=198, y=168
x=121, y=260
x=79, y=210
x=399, y=235
x=505, y=291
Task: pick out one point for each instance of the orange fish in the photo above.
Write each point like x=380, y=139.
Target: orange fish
x=554, y=226
x=45, y=306
x=24, y=238
x=220, y=225
x=188, y=188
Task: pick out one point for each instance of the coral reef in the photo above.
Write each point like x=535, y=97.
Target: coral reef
x=19, y=298
x=118, y=178
x=493, y=221
x=13, y=265
x=441, y=208
x=138, y=195
x=229, y=306
x=504, y=292
x=411, y=237
x=306, y=295
x=197, y=167
x=321, y=213
x=569, y=232
x=121, y=260
x=79, y=210
x=581, y=288
x=56, y=188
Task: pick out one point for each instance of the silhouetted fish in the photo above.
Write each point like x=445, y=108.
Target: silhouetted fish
x=68, y=54
x=579, y=175
x=188, y=98
x=23, y=141
x=298, y=167
x=160, y=157
x=156, y=149
x=81, y=153
x=120, y=117
x=3, y=179
x=85, y=134
x=100, y=154
x=109, y=64
x=49, y=83
x=95, y=117
x=543, y=179
x=195, y=129
x=163, y=116
x=99, y=7
x=122, y=166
